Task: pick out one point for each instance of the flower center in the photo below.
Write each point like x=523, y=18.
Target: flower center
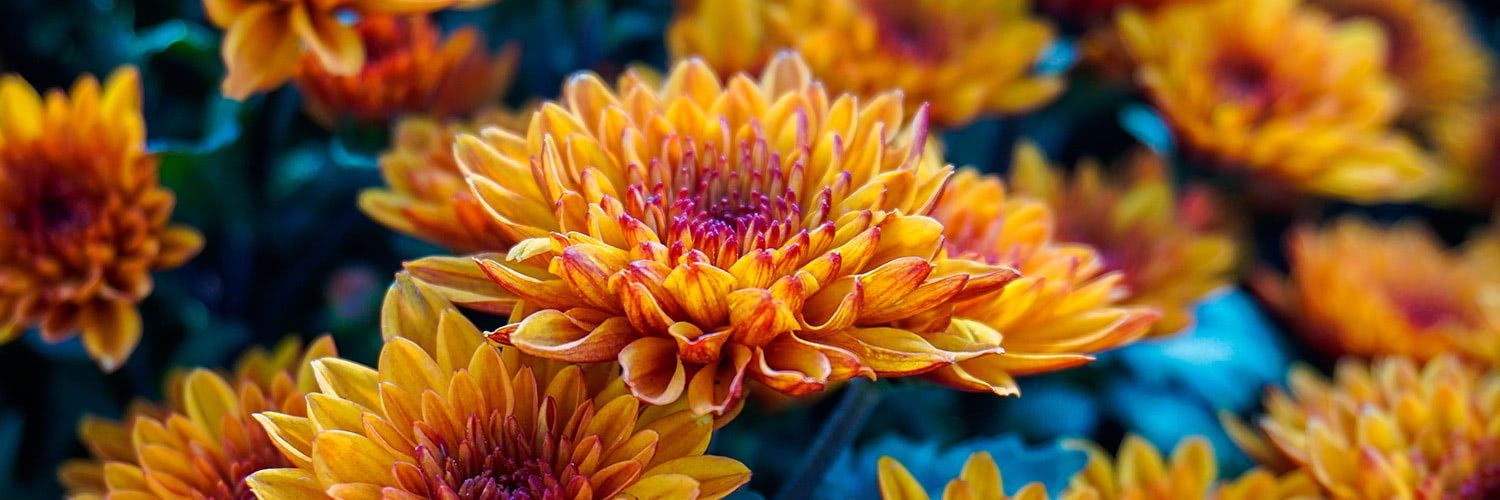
x=1430, y=308
x=904, y=28
x=45, y=205
x=723, y=205
x=1243, y=78
x=1485, y=483
x=480, y=467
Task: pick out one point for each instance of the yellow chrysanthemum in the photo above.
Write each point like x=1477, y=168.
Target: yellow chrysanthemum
x=1140, y=473
x=699, y=231
x=202, y=442
x=83, y=222
x=1167, y=247
x=963, y=58
x=1393, y=429
x=1065, y=306
x=446, y=415
x=1431, y=50
x=1367, y=291
x=1276, y=88
x=264, y=40
x=407, y=70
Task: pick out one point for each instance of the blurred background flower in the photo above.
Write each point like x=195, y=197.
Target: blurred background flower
x=962, y=58
x=83, y=222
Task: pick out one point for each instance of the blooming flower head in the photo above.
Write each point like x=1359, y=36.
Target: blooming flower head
x=83, y=221
x=202, y=442
x=963, y=58
x=698, y=231
x=446, y=415
x=407, y=70
x=1064, y=307
x=265, y=39
x=1278, y=89
x=1358, y=289
x=1394, y=428
x=1140, y=472
x=1166, y=246
x=1431, y=50
x=425, y=194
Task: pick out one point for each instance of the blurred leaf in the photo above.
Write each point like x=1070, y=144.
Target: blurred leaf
x=1148, y=127
x=1222, y=362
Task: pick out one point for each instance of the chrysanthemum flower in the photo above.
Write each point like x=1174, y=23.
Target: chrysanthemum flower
x=963, y=58
x=1166, y=246
x=202, y=442
x=1431, y=49
x=1278, y=89
x=1140, y=473
x=425, y=194
x=1392, y=429
x=446, y=415
x=699, y=231
x=83, y=221
x=265, y=39
x=1362, y=290
x=1065, y=306
x=407, y=70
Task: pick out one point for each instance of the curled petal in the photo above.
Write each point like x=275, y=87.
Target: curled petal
x=555, y=335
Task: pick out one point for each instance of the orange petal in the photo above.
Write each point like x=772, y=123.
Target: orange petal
x=260, y=51
x=337, y=46
x=554, y=335
x=652, y=370
x=111, y=330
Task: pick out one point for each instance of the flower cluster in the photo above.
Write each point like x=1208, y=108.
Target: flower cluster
x=602, y=277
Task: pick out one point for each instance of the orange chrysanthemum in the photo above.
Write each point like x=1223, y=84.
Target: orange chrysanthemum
x=1367, y=291
x=446, y=415
x=1065, y=306
x=407, y=70
x=698, y=232
x=963, y=58
x=202, y=442
x=1276, y=88
x=1167, y=247
x=1392, y=429
x=83, y=221
x=265, y=39
x=425, y=195
x=1141, y=473
x=1431, y=50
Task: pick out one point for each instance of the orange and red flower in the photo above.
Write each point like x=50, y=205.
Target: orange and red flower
x=407, y=70
x=700, y=232
x=1430, y=49
x=83, y=222
x=1396, y=428
x=447, y=415
x=1065, y=307
x=1278, y=89
x=1168, y=248
x=1362, y=290
x=202, y=442
x=965, y=59
x=265, y=39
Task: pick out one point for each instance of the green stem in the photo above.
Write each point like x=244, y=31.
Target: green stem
x=858, y=401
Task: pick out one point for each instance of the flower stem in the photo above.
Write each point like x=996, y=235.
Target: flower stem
x=858, y=401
